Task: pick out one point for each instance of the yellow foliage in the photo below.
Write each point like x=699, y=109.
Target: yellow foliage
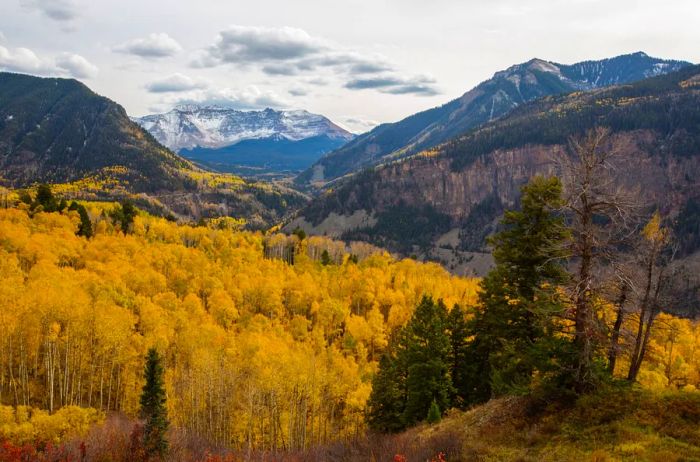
x=256, y=350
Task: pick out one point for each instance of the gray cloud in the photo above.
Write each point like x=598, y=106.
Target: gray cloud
x=289, y=51
x=58, y=10
x=358, y=124
x=25, y=61
x=369, y=68
x=153, y=46
x=246, y=44
x=76, y=66
x=280, y=69
x=298, y=92
x=175, y=83
x=248, y=98
x=374, y=82
x=395, y=85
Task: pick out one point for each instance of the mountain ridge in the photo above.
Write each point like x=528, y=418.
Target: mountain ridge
x=221, y=138
x=487, y=101
x=450, y=198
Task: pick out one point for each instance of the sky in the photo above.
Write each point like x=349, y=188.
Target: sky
x=358, y=62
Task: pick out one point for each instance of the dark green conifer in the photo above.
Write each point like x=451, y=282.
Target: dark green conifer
x=153, y=409
x=514, y=333
x=434, y=415
x=427, y=359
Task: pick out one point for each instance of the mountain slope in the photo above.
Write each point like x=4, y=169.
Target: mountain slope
x=58, y=130
x=449, y=198
x=487, y=101
x=227, y=138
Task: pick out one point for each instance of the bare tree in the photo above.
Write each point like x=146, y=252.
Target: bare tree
x=655, y=276
x=602, y=212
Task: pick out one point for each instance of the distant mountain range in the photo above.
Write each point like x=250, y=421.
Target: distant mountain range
x=244, y=141
x=442, y=205
x=488, y=101
x=58, y=131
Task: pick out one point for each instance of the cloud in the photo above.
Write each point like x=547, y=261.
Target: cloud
x=26, y=61
x=246, y=45
x=358, y=124
x=395, y=85
x=175, y=83
x=280, y=69
x=23, y=60
x=3, y=39
x=154, y=46
x=76, y=66
x=58, y=10
x=288, y=51
x=298, y=92
x=248, y=98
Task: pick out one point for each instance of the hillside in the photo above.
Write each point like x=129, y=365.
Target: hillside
x=446, y=201
x=247, y=334
x=488, y=101
x=246, y=142
x=58, y=131
x=272, y=349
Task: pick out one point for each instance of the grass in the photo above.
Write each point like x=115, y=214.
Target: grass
x=620, y=423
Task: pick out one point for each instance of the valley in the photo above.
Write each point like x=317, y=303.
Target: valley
x=511, y=275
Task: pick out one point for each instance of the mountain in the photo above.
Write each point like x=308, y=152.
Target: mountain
x=486, y=102
x=57, y=130
x=442, y=203
x=235, y=140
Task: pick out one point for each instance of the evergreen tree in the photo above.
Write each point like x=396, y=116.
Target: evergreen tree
x=45, y=199
x=434, y=415
x=153, y=409
x=85, y=228
x=124, y=215
x=459, y=356
x=388, y=398
x=325, y=258
x=514, y=333
x=427, y=359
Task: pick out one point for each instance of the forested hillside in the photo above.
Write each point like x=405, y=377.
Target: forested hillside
x=58, y=131
x=452, y=196
x=296, y=345
x=258, y=352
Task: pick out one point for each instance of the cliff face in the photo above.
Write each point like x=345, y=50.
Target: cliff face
x=453, y=196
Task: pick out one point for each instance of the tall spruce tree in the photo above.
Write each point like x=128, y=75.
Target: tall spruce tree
x=153, y=409
x=85, y=228
x=388, y=398
x=514, y=333
x=427, y=359
x=459, y=356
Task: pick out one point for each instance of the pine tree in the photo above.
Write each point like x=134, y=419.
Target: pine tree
x=85, y=228
x=459, y=356
x=514, y=333
x=388, y=398
x=325, y=258
x=434, y=415
x=45, y=198
x=427, y=358
x=153, y=409
x=124, y=215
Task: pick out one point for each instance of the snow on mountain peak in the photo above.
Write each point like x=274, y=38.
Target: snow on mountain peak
x=189, y=125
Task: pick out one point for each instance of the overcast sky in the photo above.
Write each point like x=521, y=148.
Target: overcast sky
x=359, y=62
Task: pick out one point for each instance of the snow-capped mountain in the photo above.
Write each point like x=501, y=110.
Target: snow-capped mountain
x=491, y=99
x=214, y=127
